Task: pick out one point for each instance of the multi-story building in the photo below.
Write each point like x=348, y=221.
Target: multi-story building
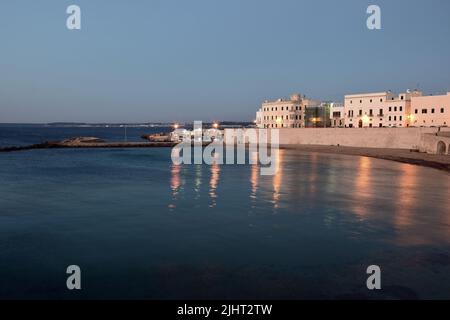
x=365, y=110
x=430, y=111
x=284, y=113
x=318, y=116
x=337, y=114
x=380, y=109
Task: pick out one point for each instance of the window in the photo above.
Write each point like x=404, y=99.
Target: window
x=432, y=110
x=395, y=118
x=442, y=110
x=401, y=108
x=400, y=118
x=424, y=110
x=381, y=100
x=370, y=100
x=401, y=97
x=390, y=109
x=416, y=111
x=390, y=118
x=360, y=112
x=360, y=101
x=282, y=108
x=381, y=112
x=395, y=109
x=351, y=101
x=371, y=112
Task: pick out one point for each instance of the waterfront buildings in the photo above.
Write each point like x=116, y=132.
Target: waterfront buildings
x=196, y=135
x=318, y=116
x=379, y=109
x=337, y=113
x=362, y=110
x=430, y=111
x=284, y=113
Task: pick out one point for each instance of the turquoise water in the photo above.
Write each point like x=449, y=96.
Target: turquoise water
x=140, y=227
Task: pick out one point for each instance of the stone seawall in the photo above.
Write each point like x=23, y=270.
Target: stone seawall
x=422, y=139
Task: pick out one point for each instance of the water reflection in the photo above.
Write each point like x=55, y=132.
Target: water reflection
x=254, y=175
x=198, y=180
x=409, y=204
x=213, y=183
x=415, y=208
x=363, y=189
x=313, y=175
x=277, y=179
x=175, y=184
x=406, y=198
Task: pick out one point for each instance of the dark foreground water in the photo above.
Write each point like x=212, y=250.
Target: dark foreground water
x=140, y=227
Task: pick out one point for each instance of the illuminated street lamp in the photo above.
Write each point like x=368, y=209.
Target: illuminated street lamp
x=176, y=126
x=215, y=125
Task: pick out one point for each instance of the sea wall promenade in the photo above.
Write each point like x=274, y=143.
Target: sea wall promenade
x=428, y=140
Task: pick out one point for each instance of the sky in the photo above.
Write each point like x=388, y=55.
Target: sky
x=185, y=60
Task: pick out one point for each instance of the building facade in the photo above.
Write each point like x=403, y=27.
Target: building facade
x=364, y=110
x=318, y=116
x=379, y=109
x=430, y=111
x=284, y=113
x=337, y=115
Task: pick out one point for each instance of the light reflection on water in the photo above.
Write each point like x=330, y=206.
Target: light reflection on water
x=221, y=231
x=370, y=191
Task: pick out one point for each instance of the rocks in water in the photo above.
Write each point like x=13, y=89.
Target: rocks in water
x=81, y=140
x=157, y=137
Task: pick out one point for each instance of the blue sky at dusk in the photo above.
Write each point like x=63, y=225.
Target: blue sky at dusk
x=184, y=60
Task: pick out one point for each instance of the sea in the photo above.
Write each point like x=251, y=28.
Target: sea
x=140, y=227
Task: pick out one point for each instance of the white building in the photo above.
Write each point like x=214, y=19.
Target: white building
x=284, y=113
x=337, y=114
x=379, y=109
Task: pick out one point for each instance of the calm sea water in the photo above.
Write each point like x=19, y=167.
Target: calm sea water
x=19, y=135
x=140, y=227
